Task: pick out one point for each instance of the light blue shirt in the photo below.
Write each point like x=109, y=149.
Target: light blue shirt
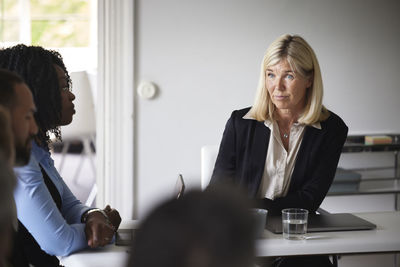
x=57, y=233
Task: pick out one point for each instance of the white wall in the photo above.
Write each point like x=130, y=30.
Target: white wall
x=205, y=56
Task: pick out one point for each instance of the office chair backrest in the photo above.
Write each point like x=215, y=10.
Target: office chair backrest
x=208, y=157
x=84, y=120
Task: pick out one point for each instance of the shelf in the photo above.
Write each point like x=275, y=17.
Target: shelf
x=356, y=181
x=356, y=143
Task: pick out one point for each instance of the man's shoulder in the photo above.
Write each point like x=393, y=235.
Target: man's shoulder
x=27, y=173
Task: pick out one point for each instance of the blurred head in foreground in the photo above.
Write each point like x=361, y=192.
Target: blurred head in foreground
x=17, y=99
x=8, y=213
x=211, y=228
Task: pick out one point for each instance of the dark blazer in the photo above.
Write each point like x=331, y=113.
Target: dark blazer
x=243, y=150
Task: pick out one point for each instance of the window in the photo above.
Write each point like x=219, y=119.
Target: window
x=60, y=23
x=10, y=22
x=67, y=26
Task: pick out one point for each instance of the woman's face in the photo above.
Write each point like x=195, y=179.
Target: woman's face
x=67, y=107
x=286, y=88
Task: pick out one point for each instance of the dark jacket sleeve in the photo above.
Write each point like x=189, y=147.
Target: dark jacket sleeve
x=225, y=165
x=315, y=168
x=241, y=158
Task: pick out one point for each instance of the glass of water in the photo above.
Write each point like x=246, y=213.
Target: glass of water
x=260, y=218
x=294, y=223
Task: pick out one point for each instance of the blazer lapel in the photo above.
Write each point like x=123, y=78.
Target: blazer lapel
x=310, y=136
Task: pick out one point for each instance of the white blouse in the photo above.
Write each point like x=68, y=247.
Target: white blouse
x=279, y=163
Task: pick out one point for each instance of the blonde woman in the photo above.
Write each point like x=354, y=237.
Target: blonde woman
x=284, y=150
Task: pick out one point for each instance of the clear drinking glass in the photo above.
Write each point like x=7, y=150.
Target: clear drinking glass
x=260, y=218
x=294, y=223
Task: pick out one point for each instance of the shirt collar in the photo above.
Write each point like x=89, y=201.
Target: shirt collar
x=269, y=123
x=39, y=152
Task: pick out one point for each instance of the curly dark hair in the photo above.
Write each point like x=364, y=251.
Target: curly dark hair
x=36, y=66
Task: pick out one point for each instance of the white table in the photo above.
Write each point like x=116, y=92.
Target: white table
x=108, y=256
x=384, y=239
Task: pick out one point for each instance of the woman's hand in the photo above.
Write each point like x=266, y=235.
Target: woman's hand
x=98, y=230
x=113, y=215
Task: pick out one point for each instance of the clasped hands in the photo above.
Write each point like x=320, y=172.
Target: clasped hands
x=99, y=230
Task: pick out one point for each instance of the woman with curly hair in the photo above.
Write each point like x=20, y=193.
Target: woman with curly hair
x=52, y=222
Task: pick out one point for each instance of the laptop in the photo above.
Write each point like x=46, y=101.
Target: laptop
x=324, y=223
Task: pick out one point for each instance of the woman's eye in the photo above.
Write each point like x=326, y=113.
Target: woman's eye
x=270, y=75
x=290, y=76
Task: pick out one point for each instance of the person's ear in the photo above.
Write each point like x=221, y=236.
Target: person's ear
x=310, y=81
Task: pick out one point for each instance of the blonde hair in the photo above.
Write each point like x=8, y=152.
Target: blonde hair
x=303, y=61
